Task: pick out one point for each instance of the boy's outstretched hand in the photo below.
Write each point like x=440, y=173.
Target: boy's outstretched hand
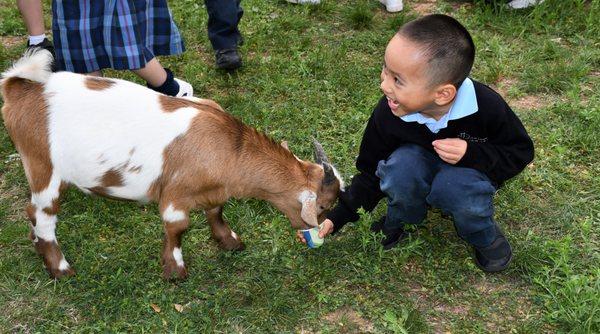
x=451, y=150
x=326, y=229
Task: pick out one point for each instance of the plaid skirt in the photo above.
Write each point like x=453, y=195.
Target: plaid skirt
x=120, y=34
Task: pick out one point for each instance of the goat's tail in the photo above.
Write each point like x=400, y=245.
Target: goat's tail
x=35, y=65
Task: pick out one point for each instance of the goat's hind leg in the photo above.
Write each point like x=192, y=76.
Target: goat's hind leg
x=221, y=232
x=176, y=221
x=42, y=213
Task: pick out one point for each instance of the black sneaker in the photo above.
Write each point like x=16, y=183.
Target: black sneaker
x=392, y=236
x=228, y=59
x=47, y=45
x=495, y=257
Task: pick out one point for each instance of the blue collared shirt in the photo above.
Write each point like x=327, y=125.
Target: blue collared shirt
x=464, y=105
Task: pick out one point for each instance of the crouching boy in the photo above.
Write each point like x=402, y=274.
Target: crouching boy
x=436, y=138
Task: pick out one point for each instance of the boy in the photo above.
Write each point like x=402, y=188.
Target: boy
x=436, y=139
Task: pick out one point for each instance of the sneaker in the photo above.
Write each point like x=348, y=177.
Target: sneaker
x=47, y=45
x=519, y=4
x=392, y=236
x=228, y=59
x=185, y=89
x=305, y=2
x=495, y=257
x=392, y=6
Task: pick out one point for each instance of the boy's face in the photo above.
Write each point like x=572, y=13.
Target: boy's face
x=405, y=82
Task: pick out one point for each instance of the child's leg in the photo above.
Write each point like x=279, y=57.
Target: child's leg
x=161, y=80
x=153, y=73
x=467, y=195
x=406, y=178
x=31, y=10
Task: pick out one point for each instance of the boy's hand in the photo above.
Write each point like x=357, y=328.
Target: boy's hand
x=451, y=150
x=326, y=229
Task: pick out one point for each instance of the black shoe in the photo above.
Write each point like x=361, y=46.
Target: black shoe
x=392, y=236
x=46, y=45
x=228, y=59
x=495, y=257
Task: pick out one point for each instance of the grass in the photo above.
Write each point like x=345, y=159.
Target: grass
x=313, y=71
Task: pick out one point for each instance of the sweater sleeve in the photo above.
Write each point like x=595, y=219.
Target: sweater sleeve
x=507, y=151
x=364, y=190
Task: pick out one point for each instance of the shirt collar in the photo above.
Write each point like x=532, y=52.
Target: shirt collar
x=464, y=104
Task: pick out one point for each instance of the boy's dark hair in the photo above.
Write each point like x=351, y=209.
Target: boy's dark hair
x=446, y=43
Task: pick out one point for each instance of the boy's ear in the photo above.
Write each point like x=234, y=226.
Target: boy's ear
x=445, y=94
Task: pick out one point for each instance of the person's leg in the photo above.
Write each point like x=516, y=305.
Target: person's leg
x=223, y=33
x=31, y=10
x=33, y=17
x=162, y=80
x=406, y=178
x=467, y=195
x=154, y=74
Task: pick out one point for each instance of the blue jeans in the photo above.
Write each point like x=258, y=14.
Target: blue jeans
x=223, y=19
x=413, y=178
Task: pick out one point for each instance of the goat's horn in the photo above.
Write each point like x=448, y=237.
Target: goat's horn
x=329, y=177
x=320, y=156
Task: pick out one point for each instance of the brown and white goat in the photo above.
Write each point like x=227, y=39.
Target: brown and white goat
x=121, y=140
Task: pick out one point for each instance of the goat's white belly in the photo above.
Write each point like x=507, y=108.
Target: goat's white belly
x=121, y=131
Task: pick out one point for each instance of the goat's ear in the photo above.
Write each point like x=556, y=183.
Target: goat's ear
x=309, y=207
x=285, y=145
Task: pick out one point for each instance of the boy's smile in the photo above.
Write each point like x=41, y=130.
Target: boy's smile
x=405, y=81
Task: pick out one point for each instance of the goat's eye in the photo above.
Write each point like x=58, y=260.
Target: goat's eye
x=322, y=207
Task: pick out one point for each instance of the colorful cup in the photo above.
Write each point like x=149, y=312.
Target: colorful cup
x=312, y=237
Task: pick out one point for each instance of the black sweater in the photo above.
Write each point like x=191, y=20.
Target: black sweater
x=497, y=145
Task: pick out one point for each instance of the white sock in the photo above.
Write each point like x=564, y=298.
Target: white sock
x=37, y=39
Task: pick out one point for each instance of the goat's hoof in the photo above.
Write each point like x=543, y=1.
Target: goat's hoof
x=231, y=244
x=174, y=272
x=58, y=274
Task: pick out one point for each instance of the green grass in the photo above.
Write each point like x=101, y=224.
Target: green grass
x=314, y=71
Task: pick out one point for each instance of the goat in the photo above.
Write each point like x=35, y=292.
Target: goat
x=118, y=139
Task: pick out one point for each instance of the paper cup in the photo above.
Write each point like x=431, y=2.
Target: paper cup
x=312, y=237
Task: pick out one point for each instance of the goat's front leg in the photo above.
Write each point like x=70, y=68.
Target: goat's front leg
x=221, y=232
x=176, y=221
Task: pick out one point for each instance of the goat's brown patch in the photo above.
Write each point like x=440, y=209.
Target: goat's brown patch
x=53, y=210
x=30, y=210
x=95, y=83
x=112, y=178
x=135, y=169
x=25, y=117
x=170, y=104
x=52, y=255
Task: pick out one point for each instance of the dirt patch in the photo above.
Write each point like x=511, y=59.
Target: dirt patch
x=503, y=84
x=10, y=41
x=529, y=102
x=423, y=7
x=346, y=316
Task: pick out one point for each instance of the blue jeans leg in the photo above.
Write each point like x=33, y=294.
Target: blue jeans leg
x=405, y=177
x=467, y=195
x=223, y=19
